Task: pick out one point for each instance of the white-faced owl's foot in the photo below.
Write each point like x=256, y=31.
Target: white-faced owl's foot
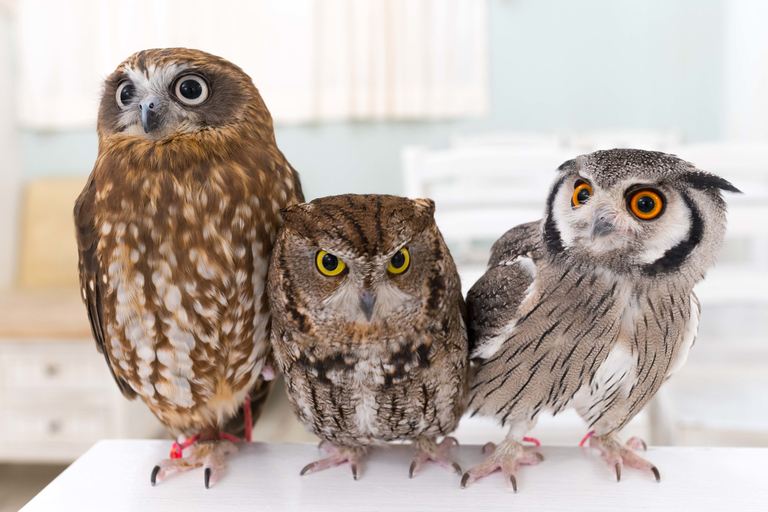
x=616, y=454
x=507, y=457
x=338, y=455
x=209, y=455
x=428, y=450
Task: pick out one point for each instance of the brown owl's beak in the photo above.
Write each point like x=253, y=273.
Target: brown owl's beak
x=600, y=227
x=367, y=300
x=149, y=115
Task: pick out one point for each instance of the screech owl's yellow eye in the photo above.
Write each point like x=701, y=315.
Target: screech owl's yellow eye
x=581, y=194
x=399, y=262
x=646, y=204
x=329, y=265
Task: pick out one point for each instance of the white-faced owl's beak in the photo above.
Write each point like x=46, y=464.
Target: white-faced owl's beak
x=601, y=226
x=149, y=115
x=367, y=300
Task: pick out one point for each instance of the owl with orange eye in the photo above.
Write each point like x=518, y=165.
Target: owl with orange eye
x=593, y=306
x=368, y=327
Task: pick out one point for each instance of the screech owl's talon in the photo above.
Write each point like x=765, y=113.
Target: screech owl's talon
x=457, y=468
x=354, y=471
x=507, y=456
x=513, y=482
x=464, y=480
x=410, y=471
x=618, y=471
x=618, y=455
x=539, y=456
x=306, y=469
x=656, y=473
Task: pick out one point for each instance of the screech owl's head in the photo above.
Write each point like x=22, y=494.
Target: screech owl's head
x=635, y=211
x=363, y=262
x=161, y=92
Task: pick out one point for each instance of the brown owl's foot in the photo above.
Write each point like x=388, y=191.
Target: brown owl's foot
x=429, y=450
x=616, y=454
x=507, y=456
x=338, y=456
x=209, y=455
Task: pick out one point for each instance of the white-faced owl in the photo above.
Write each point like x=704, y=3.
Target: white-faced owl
x=175, y=227
x=368, y=326
x=593, y=306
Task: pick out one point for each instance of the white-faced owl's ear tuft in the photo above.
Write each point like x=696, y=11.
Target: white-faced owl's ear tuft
x=706, y=181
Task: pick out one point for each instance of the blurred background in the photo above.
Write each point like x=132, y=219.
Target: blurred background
x=473, y=103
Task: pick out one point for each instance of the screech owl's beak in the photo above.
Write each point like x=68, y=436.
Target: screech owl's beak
x=601, y=226
x=367, y=300
x=150, y=118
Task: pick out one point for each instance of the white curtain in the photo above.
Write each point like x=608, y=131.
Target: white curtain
x=312, y=60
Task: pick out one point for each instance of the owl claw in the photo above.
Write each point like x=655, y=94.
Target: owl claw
x=153, y=478
x=507, y=456
x=207, y=477
x=617, y=455
x=338, y=456
x=428, y=450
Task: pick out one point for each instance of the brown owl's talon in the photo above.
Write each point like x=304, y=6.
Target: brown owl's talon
x=656, y=473
x=618, y=471
x=621, y=455
x=153, y=478
x=306, y=469
x=464, y=480
x=207, y=477
x=513, y=481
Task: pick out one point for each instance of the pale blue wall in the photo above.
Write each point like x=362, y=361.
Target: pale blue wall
x=554, y=65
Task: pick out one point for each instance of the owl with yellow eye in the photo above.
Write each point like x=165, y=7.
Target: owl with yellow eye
x=593, y=306
x=368, y=327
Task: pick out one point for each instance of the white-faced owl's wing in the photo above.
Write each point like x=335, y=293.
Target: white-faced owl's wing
x=493, y=300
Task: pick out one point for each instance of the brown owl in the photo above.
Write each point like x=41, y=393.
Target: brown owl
x=368, y=326
x=175, y=227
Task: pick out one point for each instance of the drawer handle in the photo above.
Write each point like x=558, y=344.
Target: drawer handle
x=54, y=427
x=52, y=370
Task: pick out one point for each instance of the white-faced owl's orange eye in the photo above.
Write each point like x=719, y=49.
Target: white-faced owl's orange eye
x=646, y=204
x=581, y=194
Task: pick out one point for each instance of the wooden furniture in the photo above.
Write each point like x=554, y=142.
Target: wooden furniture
x=114, y=475
x=57, y=397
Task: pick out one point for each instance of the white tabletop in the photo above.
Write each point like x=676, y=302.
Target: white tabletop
x=114, y=476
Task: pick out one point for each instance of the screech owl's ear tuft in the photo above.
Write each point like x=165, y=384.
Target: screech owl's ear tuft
x=706, y=181
x=295, y=211
x=425, y=205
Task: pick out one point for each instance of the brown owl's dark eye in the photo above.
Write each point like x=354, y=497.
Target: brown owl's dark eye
x=125, y=93
x=191, y=89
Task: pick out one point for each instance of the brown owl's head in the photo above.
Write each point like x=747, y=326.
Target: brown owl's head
x=158, y=93
x=370, y=262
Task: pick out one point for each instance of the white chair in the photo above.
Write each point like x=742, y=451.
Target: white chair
x=586, y=142
x=510, y=139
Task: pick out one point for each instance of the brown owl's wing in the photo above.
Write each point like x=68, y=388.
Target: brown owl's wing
x=297, y=185
x=91, y=273
x=493, y=300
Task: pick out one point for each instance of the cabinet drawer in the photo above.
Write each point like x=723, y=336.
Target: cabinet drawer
x=54, y=424
x=41, y=368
